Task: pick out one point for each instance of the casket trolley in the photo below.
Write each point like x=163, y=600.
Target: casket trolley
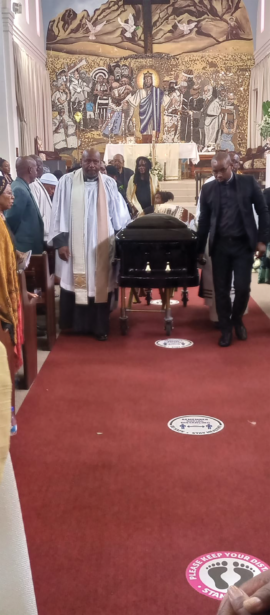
x=156, y=251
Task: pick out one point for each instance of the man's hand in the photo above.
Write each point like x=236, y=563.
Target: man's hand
x=64, y=253
x=252, y=597
x=201, y=259
x=261, y=249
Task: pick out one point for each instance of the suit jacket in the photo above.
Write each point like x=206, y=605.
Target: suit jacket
x=249, y=194
x=127, y=174
x=24, y=219
x=266, y=195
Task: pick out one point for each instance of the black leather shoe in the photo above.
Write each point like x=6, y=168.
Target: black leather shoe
x=102, y=338
x=225, y=340
x=241, y=332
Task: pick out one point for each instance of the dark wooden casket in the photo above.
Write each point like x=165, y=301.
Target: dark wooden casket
x=157, y=251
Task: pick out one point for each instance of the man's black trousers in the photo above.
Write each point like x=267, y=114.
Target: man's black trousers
x=231, y=255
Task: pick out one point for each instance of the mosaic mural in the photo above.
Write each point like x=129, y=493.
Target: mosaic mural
x=194, y=86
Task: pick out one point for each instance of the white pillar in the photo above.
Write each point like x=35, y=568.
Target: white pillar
x=8, y=115
x=267, y=182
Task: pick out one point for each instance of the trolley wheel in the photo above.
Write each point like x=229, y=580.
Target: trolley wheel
x=168, y=328
x=148, y=297
x=185, y=298
x=124, y=326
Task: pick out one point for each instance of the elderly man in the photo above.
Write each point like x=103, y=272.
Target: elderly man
x=42, y=196
x=227, y=214
x=86, y=214
x=123, y=173
x=24, y=218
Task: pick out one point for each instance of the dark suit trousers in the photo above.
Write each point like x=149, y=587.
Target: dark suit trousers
x=231, y=255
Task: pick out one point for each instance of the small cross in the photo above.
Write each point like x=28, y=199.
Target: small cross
x=147, y=20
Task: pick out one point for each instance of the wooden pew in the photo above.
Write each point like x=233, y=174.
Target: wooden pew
x=30, y=333
x=6, y=341
x=38, y=276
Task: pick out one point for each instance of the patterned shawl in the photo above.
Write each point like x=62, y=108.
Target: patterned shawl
x=9, y=288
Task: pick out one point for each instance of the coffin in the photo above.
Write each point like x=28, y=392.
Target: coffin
x=157, y=251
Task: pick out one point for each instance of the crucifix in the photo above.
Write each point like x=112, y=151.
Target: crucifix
x=147, y=20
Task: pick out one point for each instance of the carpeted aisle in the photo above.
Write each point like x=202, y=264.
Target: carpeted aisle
x=116, y=505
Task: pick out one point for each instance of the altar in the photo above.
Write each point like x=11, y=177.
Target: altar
x=166, y=153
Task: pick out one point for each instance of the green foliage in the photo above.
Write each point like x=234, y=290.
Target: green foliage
x=265, y=125
x=266, y=107
x=156, y=169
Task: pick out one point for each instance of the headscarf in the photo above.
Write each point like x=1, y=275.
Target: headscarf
x=49, y=178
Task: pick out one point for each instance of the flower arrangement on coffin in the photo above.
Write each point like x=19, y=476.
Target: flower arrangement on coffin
x=265, y=125
x=156, y=169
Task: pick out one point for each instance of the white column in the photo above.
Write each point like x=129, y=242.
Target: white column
x=267, y=182
x=8, y=116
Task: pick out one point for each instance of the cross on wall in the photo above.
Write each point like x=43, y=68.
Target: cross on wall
x=147, y=19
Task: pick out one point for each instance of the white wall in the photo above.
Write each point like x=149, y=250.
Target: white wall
x=262, y=48
x=15, y=28
x=26, y=33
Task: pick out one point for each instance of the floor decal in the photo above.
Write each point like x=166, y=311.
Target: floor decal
x=196, y=425
x=159, y=302
x=172, y=344
x=213, y=573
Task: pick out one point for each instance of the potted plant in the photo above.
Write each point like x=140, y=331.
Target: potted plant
x=265, y=125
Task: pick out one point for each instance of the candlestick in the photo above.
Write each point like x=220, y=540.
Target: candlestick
x=191, y=126
x=110, y=127
x=123, y=128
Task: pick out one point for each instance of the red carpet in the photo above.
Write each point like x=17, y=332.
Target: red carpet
x=113, y=520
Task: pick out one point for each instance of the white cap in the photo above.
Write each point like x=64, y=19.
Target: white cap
x=49, y=178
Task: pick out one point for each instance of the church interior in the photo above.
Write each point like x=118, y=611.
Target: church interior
x=134, y=220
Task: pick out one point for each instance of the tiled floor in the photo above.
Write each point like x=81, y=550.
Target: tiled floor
x=20, y=394
x=259, y=292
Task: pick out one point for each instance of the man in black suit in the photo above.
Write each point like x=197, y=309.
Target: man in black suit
x=123, y=173
x=267, y=197
x=227, y=214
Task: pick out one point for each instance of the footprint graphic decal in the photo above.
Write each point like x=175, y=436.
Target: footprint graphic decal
x=215, y=572
x=211, y=574
x=245, y=572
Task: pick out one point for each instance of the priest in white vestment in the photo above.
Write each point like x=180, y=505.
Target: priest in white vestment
x=86, y=215
x=41, y=196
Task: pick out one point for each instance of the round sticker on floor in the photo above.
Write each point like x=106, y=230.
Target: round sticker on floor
x=196, y=425
x=213, y=573
x=159, y=302
x=174, y=343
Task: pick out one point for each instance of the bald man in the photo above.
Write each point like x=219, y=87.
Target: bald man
x=24, y=219
x=123, y=173
x=85, y=216
x=227, y=215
